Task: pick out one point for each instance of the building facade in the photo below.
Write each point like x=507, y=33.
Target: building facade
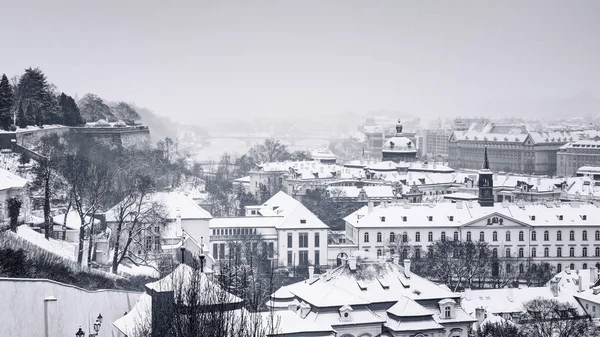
x=573, y=156
x=435, y=143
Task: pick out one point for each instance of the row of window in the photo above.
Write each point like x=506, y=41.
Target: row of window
x=520, y=252
x=220, y=252
x=302, y=240
x=404, y=236
x=303, y=258
x=234, y=231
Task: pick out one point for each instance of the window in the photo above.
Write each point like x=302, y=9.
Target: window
x=521, y=252
x=303, y=240
x=417, y=253
x=430, y=236
x=455, y=236
x=271, y=250
x=404, y=253
x=559, y=236
x=584, y=235
x=572, y=266
x=572, y=252
x=148, y=243
x=290, y=241
x=559, y=267
x=382, y=219
x=366, y=237
x=546, y=236
x=216, y=251
x=392, y=237
x=597, y=238
x=558, y=252
x=392, y=252
x=533, y=252
x=507, y=235
x=521, y=235
x=469, y=236
x=584, y=252
x=447, y=312
x=303, y=258
x=507, y=252
x=417, y=237
x=404, y=237
x=495, y=236
x=546, y=252
x=585, y=266
x=378, y=236
x=572, y=236
x=317, y=239
x=508, y=268
x=302, y=221
x=597, y=252
x=521, y=269
x=289, y=258
x=379, y=253
x=495, y=253
x=533, y=236
x=481, y=236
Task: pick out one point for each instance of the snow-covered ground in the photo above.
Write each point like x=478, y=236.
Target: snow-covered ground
x=65, y=249
x=133, y=270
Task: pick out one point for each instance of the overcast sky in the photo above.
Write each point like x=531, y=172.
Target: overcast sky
x=192, y=59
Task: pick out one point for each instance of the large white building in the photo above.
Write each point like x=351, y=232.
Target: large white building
x=561, y=234
x=293, y=234
x=11, y=185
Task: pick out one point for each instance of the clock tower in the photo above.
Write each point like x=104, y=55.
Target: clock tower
x=486, y=183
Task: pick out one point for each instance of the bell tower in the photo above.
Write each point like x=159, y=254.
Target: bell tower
x=486, y=183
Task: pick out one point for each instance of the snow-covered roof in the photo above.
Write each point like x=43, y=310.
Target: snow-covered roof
x=137, y=319
x=460, y=214
x=10, y=180
x=567, y=281
x=295, y=215
x=73, y=220
x=176, y=203
x=371, y=191
x=246, y=221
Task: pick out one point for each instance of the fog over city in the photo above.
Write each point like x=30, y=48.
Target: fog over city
x=300, y=168
x=212, y=60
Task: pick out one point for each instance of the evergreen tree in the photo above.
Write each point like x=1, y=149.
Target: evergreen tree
x=21, y=117
x=71, y=116
x=34, y=95
x=6, y=103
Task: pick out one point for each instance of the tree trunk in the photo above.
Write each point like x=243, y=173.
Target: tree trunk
x=47, y=222
x=90, y=246
x=81, y=238
x=115, y=262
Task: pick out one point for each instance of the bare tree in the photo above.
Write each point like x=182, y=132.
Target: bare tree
x=551, y=318
x=270, y=151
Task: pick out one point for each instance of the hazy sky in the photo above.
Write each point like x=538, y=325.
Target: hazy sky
x=192, y=59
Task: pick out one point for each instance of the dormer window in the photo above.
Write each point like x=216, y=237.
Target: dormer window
x=451, y=217
x=560, y=217
x=382, y=219
x=447, y=312
x=346, y=313
x=430, y=218
x=302, y=221
x=447, y=308
x=532, y=217
x=583, y=217
x=404, y=218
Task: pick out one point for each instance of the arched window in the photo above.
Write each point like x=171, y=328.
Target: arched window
x=558, y=252
x=572, y=236
x=546, y=252
x=572, y=252
x=559, y=236
x=379, y=253
x=507, y=235
x=404, y=253
x=404, y=237
x=584, y=252
x=443, y=236
x=521, y=268
x=584, y=235
x=417, y=252
x=597, y=252
x=379, y=236
x=572, y=266
x=597, y=236
x=546, y=236
x=533, y=252
x=507, y=252
x=584, y=266
x=559, y=267
x=392, y=237
x=447, y=312
x=366, y=237
x=417, y=237
x=495, y=252
x=533, y=236
x=508, y=268
x=521, y=236
x=481, y=236
x=469, y=236
x=430, y=236
x=495, y=236
x=521, y=251
x=455, y=236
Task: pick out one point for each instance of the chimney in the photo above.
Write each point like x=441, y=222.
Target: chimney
x=371, y=206
x=580, y=283
x=480, y=314
x=178, y=229
x=396, y=258
x=311, y=272
x=352, y=263
x=596, y=290
x=593, y=275
x=511, y=294
x=407, y=268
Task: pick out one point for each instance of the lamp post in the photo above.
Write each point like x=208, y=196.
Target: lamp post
x=80, y=333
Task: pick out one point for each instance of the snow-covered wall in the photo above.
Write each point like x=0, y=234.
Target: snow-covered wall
x=22, y=308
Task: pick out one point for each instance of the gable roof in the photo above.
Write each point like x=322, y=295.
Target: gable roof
x=292, y=212
x=10, y=180
x=176, y=203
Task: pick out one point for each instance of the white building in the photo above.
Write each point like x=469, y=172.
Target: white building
x=369, y=297
x=11, y=185
x=293, y=234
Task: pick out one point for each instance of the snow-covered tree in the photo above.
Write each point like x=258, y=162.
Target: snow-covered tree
x=6, y=103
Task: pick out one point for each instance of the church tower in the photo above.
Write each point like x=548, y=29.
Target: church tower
x=486, y=183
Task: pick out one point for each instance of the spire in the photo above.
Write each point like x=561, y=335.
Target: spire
x=486, y=162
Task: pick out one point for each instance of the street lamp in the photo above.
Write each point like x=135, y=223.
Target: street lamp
x=97, y=326
x=100, y=318
x=80, y=333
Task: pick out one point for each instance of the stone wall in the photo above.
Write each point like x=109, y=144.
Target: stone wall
x=23, y=312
